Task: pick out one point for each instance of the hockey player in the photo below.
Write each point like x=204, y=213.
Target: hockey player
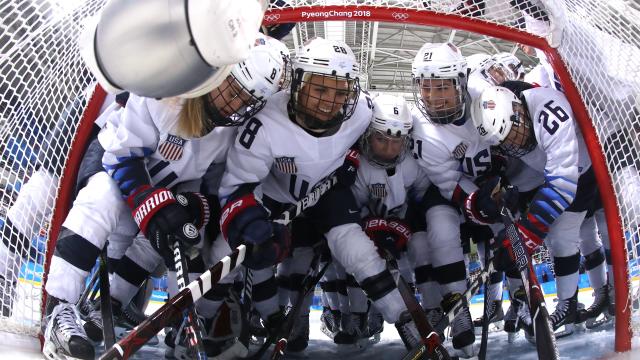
x=125, y=51
x=148, y=147
x=387, y=181
x=512, y=64
x=448, y=148
x=554, y=146
x=321, y=118
x=488, y=73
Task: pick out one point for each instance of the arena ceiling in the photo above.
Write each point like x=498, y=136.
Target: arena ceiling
x=385, y=50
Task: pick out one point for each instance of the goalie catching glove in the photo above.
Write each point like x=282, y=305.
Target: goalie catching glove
x=164, y=218
x=245, y=221
x=391, y=235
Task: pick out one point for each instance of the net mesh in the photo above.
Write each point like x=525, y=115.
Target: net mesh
x=43, y=82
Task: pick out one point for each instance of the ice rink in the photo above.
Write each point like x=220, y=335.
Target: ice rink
x=590, y=344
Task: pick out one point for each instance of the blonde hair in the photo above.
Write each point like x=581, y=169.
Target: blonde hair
x=193, y=121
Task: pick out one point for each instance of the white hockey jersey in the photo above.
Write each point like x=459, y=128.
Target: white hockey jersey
x=476, y=84
x=288, y=162
x=148, y=128
x=451, y=155
x=561, y=153
x=386, y=196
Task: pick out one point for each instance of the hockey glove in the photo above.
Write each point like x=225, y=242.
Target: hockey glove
x=346, y=174
x=481, y=206
x=270, y=252
x=163, y=220
x=199, y=208
x=391, y=235
x=245, y=221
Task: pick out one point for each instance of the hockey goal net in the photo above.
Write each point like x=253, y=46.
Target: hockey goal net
x=593, y=46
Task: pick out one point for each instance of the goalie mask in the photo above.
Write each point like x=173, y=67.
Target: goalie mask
x=386, y=141
x=440, y=82
x=245, y=91
x=324, y=86
x=503, y=121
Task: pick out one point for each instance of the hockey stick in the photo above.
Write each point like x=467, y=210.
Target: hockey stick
x=471, y=291
x=89, y=289
x=308, y=284
x=172, y=310
x=193, y=329
x=106, y=310
x=482, y=354
x=431, y=343
x=543, y=330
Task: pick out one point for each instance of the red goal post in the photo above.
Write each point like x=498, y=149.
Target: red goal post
x=416, y=13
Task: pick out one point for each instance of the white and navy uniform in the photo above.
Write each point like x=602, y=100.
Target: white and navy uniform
x=145, y=129
x=288, y=162
x=477, y=83
x=384, y=193
x=452, y=156
x=569, y=187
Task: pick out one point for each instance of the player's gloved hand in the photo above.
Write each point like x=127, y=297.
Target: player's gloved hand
x=198, y=207
x=245, y=221
x=346, y=174
x=483, y=205
x=391, y=235
x=270, y=252
x=162, y=219
x=504, y=257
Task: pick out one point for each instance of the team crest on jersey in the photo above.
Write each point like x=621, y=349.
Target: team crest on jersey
x=286, y=164
x=489, y=105
x=460, y=150
x=172, y=147
x=378, y=190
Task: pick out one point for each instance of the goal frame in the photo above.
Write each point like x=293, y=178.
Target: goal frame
x=426, y=18
x=430, y=18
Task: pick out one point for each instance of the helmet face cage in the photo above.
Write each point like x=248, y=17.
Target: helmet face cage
x=520, y=140
x=375, y=139
x=323, y=101
x=287, y=73
x=496, y=73
x=440, y=100
x=231, y=103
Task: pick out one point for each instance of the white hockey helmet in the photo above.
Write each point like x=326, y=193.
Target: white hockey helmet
x=179, y=48
x=502, y=120
x=512, y=63
x=285, y=80
x=386, y=141
x=494, y=72
x=432, y=66
x=247, y=88
x=332, y=65
x=474, y=61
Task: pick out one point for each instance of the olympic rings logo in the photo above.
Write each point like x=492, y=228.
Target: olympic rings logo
x=271, y=17
x=400, y=16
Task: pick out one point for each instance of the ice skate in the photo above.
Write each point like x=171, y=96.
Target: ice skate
x=565, y=316
x=65, y=337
